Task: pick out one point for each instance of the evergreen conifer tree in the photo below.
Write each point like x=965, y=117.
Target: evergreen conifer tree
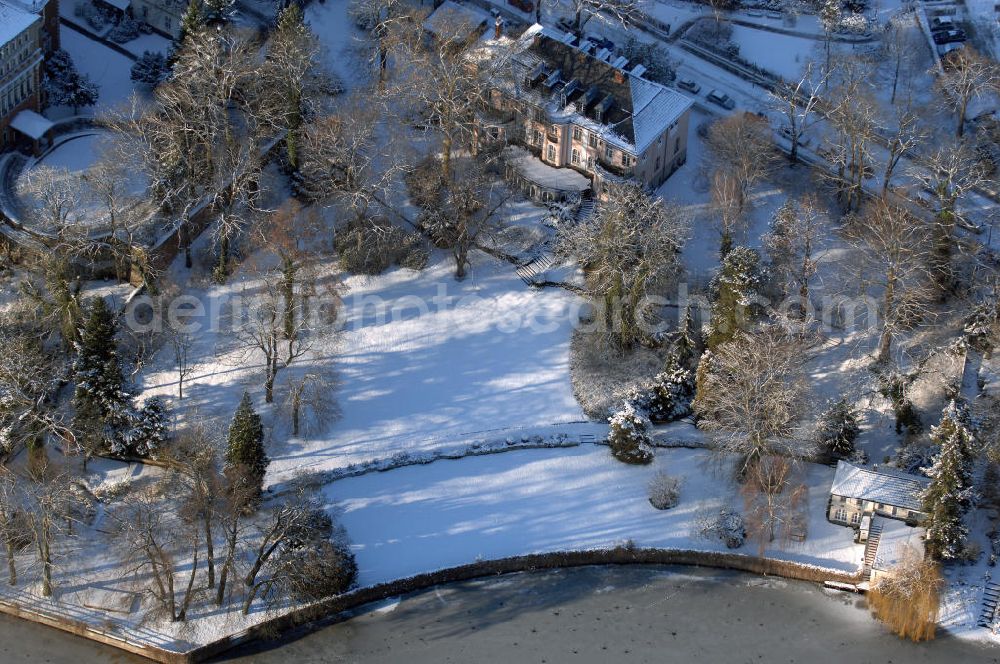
x=838, y=429
x=245, y=449
x=950, y=493
x=734, y=290
x=687, y=342
x=101, y=402
x=672, y=392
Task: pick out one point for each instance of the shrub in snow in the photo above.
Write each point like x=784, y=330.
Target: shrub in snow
x=838, y=429
x=86, y=10
x=150, y=69
x=893, y=386
x=125, y=31
x=371, y=246
x=318, y=570
x=628, y=437
x=664, y=491
x=725, y=524
x=671, y=393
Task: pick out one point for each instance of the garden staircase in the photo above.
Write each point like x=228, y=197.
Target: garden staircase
x=536, y=266
x=586, y=209
x=871, y=548
x=991, y=595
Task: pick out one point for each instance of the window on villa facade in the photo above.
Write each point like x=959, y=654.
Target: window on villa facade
x=609, y=153
x=677, y=144
x=577, y=134
x=590, y=163
x=593, y=141
x=840, y=515
x=552, y=153
x=855, y=518
x=536, y=137
x=626, y=160
x=576, y=156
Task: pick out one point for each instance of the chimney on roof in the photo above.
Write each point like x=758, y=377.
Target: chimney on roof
x=498, y=28
x=619, y=76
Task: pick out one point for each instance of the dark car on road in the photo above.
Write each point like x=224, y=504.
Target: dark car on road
x=949, y=36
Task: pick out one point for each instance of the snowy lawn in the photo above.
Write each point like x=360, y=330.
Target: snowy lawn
x=426, y=360
x=424, y=518
x=109, y=69
x=779, y=54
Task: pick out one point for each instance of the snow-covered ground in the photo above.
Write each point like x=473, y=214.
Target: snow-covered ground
x=424, y=518
x=423, y=362
x=107, y=68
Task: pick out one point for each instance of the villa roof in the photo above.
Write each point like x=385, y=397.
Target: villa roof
x=899, y=490
x=14, y=19
x=596, y=87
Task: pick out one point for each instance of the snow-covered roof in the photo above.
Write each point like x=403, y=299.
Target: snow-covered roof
x=31, y=124
x=14, y=19
x=534, y=170
x=899, y=490
x=596, y=90
x=452, y=19
x=123, y=5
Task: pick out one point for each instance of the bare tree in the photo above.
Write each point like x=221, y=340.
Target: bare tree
x=155, y=543
x=798, y=103
x=893, y=247
x=467, y=210
x=966, y=75
x=751, y=397
x=625, y=12
x=740, y=146
x=774, y=501
x=196, y=457
x=854, y=116
x=907, y=136
x=442, y=86
x=54, y=196
x=28, y=377
x=899, y=47
x=629, y=248
x=47, y=517
x=952, y=171
x=293, y=523
x=390, y=24
x=728, y=205
x=311, y=401
x=264, y=331
x=12, y=520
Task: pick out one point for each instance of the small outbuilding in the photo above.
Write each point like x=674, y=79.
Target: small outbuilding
x=858, y=492
x=33, y=127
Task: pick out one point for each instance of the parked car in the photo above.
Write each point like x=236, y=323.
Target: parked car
x=688, y=84
x=786, y=131
x=723, y=100
x=942, y=23
x=949, y=36
x=945, y=49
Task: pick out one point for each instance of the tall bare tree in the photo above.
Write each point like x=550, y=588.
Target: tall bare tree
x=893, y=247
x=750, y=398
x=966, y=76
x=740, y=147
x=792, y=242
x=797, y=102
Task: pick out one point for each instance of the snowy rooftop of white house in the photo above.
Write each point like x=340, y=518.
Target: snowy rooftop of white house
x=888, y=488
x=578, y=82
x=31, y=124
x=14, y=19
x=454, y=20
